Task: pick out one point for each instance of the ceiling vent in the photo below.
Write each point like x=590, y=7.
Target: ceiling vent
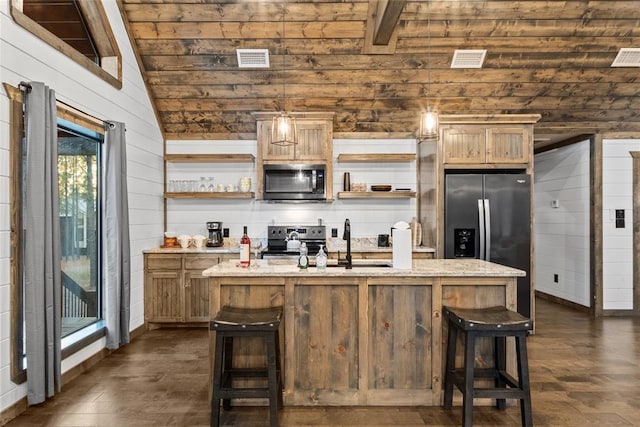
x=253, y=58
x=468, y=58
x=627, y=57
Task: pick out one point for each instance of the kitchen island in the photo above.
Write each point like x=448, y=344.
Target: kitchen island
x=366, y=336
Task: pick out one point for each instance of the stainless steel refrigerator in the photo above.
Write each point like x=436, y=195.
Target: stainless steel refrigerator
x=488, y=216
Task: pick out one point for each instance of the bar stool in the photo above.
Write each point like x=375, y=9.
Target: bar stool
x=498, y=323
x=231, y=322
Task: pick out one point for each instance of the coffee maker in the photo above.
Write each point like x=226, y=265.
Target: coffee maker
x=215, y=234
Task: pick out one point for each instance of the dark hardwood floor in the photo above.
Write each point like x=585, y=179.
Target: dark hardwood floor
x=584, y=372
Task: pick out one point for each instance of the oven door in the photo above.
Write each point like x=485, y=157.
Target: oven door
x=294, y=182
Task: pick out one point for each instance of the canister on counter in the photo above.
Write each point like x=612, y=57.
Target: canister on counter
x=346, y=182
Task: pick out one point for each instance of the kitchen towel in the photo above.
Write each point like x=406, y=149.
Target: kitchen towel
x=402, y=248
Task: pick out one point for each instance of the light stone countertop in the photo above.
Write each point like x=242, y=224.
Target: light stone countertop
x=421, y=268
x=358, y=244
x=192, y=250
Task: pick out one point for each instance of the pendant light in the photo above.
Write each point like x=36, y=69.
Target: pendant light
x=428, y=131
x=283, y=127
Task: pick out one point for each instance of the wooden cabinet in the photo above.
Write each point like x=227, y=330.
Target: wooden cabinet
x=478, y=145
x=175, y=290
x=315, y=145
x=315, y=141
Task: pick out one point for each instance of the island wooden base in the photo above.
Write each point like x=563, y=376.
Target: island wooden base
x=354, y=340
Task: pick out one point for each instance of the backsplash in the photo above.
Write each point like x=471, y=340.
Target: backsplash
x=369, y=217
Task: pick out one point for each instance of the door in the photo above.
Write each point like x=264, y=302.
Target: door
x=509, y=230
x=462, y=228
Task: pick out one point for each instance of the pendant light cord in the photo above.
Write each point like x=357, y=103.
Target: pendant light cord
x=428, y=58
x=284, y=56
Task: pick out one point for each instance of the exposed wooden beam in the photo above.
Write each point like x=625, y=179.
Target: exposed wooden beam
x=387, y=20
x=381, y=31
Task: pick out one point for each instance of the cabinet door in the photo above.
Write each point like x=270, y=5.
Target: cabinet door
x=196, y=295
x=163, y=299
x=163, y=288
x=464, y=144
x=269, y=150
x=196, y=286
x=508, y=145
x=312, y=141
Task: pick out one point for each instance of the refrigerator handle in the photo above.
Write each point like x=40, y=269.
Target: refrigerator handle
x=487, y=220
x=481, y=224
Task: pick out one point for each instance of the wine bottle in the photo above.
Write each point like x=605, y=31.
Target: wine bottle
x=245, y=249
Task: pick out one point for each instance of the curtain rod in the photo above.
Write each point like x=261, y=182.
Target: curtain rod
x=24, y=86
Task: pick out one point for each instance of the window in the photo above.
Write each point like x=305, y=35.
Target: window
x=80, y=141
x=79, y=195
x=78, y=28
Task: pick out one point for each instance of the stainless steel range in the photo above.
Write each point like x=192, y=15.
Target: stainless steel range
x=278, y=235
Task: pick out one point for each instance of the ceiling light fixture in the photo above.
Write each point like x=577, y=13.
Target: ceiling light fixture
x=283, y=127
x=428, y=131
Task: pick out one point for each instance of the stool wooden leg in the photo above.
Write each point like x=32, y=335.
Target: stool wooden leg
x=450, y=367
x=227, y=367
x=467, y=398
x=272, y=378
x=216, y=381
x=523, y=379
x=500, y=366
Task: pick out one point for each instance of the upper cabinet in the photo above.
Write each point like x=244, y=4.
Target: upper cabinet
x=315, y=145
x=486, y=143
x=315, y=136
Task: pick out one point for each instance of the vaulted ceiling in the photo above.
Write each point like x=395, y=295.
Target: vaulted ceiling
x=547, y=57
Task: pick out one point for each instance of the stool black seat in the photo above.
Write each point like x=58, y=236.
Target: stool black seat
x=232, y=322
x=498, y=323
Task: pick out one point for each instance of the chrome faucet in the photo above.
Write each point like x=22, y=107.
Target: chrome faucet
x=346, y=235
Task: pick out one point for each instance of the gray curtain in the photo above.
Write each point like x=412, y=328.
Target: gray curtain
x=42, y=279
x=117, y=269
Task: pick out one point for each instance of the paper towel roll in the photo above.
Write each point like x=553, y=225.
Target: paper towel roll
x=402, y=249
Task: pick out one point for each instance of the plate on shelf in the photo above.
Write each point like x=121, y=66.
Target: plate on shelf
x=380, y=188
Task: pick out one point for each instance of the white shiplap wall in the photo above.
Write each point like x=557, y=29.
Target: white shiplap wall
x=562, y=234
x=368, y=217
x=24, y=57
x=617, y=248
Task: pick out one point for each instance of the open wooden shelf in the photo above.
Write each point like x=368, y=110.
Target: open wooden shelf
x=211, y=195
x=376, y=157
x=209, y=158
x=376, y=194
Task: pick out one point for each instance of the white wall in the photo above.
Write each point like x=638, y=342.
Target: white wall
x=617, y=193
x=368, y=217
x=561, y=235
x=24, y=57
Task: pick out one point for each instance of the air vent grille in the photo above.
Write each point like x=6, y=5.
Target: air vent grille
x=468, y=58
x=253, y=58
x=627, y=57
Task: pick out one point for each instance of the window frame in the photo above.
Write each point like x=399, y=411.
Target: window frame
x=110, y=69
x=79, y=339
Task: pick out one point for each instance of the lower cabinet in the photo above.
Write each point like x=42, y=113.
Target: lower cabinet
x=175, y=290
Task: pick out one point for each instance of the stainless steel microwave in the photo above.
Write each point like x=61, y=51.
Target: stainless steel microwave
x=294, y=182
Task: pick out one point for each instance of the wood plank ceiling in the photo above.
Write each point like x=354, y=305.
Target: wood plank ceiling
x=548, y=57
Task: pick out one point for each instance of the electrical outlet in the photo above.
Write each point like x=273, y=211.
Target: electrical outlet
x=225, y=232
x=334, y=232
x=619, y=218
x=555, y=278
